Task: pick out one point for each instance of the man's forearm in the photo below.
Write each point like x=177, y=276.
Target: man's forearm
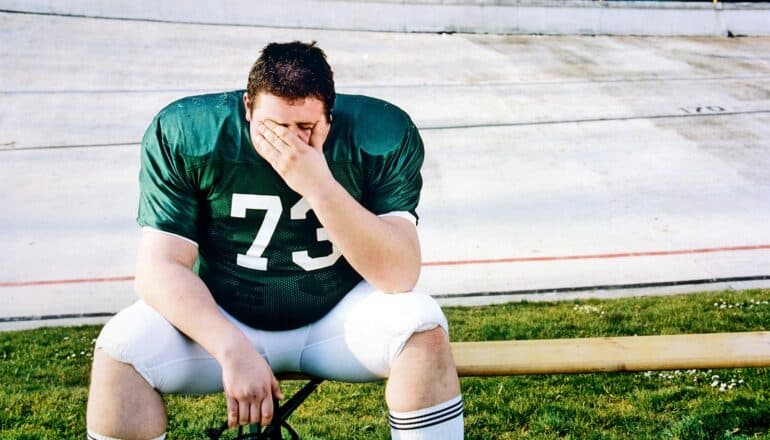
x=183, y=299
x=384, y=252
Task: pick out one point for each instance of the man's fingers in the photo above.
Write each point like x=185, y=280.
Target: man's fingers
x=272, y=136
x=319, y=134
x=232, y=412
x=243, y=413
x=267, y=411
x=266, y=149
x=282, y=134
x=277, y=390
x=255, y=411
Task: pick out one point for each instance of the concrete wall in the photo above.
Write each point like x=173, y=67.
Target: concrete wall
x=582, y=17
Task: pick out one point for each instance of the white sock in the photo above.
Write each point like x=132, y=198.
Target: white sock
x=90, y=435
x=441, y=422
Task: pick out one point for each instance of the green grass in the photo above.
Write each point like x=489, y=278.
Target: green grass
x=44, y=377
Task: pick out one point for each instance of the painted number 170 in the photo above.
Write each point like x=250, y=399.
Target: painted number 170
x=703, y=109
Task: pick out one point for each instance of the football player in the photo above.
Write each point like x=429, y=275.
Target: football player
x=279, y=235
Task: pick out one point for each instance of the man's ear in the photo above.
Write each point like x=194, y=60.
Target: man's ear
x=247, y=104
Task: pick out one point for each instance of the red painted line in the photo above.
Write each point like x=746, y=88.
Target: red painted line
x=446, y=263
x=598, y=256
x=56, y=282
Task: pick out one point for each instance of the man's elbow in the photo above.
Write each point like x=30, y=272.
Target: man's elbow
x=399, y=281
x=142, y=282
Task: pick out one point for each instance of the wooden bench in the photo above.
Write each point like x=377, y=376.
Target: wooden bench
x=582, y=355
x=613, y=354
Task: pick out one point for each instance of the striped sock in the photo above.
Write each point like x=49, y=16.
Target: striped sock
x=443, y=421
x=90, y=435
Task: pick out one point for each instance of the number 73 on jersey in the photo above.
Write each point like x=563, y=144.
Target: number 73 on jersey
x=253, y=258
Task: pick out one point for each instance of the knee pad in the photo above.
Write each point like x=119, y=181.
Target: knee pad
x=378, y=327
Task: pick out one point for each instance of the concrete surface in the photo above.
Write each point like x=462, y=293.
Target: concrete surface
x=582, y=17
x=556, y=167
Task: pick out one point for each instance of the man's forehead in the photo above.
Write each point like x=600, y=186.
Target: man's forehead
x=309, y=108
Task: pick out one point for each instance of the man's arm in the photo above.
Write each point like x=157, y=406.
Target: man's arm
x=384, y=250
x=166, y=282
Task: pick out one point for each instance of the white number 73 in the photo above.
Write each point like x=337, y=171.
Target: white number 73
x=253, y=258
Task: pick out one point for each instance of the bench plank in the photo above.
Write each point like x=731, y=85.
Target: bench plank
x=611, y=354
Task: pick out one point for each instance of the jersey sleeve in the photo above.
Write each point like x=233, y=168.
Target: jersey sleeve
x=168, y=200
x=396, y=184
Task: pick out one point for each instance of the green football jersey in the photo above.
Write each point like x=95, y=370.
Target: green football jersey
x=263, y=254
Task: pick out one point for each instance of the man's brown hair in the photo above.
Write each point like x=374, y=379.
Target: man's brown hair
x=292, y=71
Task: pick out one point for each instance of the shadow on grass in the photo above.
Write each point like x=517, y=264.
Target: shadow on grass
x=738, y=417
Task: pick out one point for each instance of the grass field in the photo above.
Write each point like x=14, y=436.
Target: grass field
x=44, y=376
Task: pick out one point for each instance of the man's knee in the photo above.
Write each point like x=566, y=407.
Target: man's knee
x=379, y=327
x=115, y=384
x=108, y=372
x=432, y=344
x=423, y=374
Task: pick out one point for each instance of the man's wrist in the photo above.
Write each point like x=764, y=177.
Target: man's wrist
x=233, y=349
x=324, y=193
